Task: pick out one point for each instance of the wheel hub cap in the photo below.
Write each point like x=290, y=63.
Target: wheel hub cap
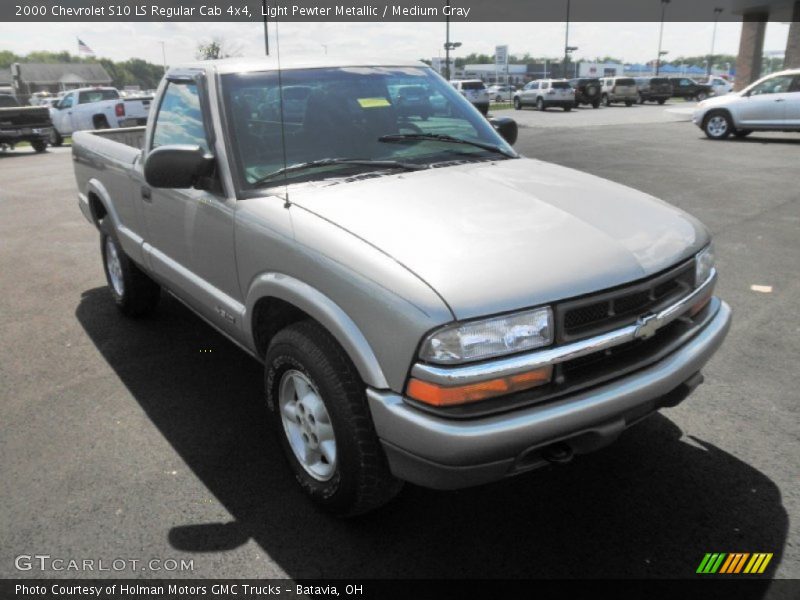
x=717, y=126
x=307, y=425
x=114, y=267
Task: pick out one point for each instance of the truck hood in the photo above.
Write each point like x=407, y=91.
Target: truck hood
x=498, y=236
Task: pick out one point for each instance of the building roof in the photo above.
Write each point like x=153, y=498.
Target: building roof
x=47, y=73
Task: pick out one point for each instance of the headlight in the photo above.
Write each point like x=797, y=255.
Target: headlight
x=703, y=264
x=488, y=338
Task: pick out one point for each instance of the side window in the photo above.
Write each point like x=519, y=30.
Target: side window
x=776, y=85
x=795, y=87
x=180, y=118
x=66, y=101
x=545, y=85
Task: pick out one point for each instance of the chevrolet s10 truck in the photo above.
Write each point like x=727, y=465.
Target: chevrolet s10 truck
x=428, y=305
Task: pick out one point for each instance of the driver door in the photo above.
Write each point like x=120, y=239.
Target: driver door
x=765, y=105
x=189, y=241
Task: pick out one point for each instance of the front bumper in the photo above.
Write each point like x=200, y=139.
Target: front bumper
x=448, y=454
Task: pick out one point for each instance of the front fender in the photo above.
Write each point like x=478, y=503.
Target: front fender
x=324, y=310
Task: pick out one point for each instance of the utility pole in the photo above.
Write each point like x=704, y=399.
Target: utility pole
x=566, y=44
x=661, y=33
x=717, y=12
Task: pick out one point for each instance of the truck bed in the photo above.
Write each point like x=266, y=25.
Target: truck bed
x=130, y=136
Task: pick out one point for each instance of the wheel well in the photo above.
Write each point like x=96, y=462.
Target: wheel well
x=98, y=120
x=718, y=111
x=97, y=208
x=270, y=315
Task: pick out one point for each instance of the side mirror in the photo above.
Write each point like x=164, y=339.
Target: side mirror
x=177, y=166
x=506, y=127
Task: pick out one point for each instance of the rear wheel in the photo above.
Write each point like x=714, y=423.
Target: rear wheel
x=540, y=104
x=55, y=137
x=628, y=102
x=641, y=99
x=596, y=104
x=662, y=100
x=701, y=96
x=319, y=411
x=100, y=122
x=134, y=292
x=567, y=108
x=717, y=126
x=606, y=100
x=39, y=145
x=517, y=104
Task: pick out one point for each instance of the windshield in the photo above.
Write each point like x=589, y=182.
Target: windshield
x=341, y=113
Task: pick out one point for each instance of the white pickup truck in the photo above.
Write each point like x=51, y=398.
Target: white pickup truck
x=96, y=108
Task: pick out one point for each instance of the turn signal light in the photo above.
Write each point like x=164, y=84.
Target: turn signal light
x=436, y=395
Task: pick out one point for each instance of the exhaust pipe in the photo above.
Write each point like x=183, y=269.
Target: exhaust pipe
x=558, y=453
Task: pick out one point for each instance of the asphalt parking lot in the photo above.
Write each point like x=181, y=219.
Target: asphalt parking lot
x=146, y=439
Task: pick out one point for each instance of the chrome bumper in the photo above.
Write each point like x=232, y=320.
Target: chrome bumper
x=445, y=453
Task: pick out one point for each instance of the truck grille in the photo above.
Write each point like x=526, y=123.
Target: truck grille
x=599, y=313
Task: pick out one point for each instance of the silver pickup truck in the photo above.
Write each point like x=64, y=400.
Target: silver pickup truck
x=428, y=305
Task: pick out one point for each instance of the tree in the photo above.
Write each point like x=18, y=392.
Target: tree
x=215, y=49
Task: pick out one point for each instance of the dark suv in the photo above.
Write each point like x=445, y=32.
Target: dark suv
x=689, y=89
x=587, y=91
x=655, y=89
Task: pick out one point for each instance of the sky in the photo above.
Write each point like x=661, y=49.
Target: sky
x=633, y=42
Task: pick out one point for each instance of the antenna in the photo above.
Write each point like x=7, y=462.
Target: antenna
x=287, y=202
x=266, y=29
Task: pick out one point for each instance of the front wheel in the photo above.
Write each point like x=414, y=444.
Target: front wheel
x=701, y=96
x=628, y=102
x=540, y=104
x=319, y=411
x=662, y=100
x=517, y=104
x=567, y=108
x=596, y=104
x=39, y=146
x=641, y=99
x=55, y=137
x=606, y=100
x=134, y=292
x=717, y=126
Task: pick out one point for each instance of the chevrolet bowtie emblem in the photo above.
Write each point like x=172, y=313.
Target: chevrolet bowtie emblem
x=646, y=326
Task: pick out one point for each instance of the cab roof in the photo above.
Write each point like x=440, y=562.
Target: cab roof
x=271, y=63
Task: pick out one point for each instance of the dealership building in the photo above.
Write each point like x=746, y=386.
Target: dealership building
x=23, y=79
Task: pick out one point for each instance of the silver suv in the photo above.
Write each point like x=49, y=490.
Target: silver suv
x=619, y=89
x=544, y=93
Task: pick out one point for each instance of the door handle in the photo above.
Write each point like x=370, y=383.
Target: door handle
x=780, y=99
x=147, y=194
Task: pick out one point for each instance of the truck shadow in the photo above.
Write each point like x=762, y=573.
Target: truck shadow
x=649, y=506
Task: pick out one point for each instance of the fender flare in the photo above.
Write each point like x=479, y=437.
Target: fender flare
x=96, y=187
x=324, y=310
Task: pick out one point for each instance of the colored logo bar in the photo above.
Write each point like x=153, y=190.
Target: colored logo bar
x=734, y=563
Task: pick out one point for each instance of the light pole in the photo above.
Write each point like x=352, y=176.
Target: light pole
x=163, y=55
x=717, y=12
x=448, y=45
x=566, y=43
x=266, y=29
x=570, y=50
x=661, y=33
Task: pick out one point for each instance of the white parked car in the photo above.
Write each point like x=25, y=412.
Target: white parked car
x=96, y=108
x=475, y=91
x=770, y=104
x=501, y=93
x=719, y=85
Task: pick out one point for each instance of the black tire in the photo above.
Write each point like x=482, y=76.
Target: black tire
x=606, y=100
x=100, y=122
x=567, y=108
x=484, y=110
x=540, y=104
x=361, y=480
x=742, y=133
x=662, y=100
x=628, y=103
x=717, y=125
x=596, y=104
x=139, y=294
x=39, y=145
x=55, y=138
x=641, y=99
x=517, y=104
x=701, y=96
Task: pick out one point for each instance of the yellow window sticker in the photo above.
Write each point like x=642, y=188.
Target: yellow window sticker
x=373, y=102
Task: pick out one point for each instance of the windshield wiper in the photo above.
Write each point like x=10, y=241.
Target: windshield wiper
x=326, y=162
x=442, y=137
